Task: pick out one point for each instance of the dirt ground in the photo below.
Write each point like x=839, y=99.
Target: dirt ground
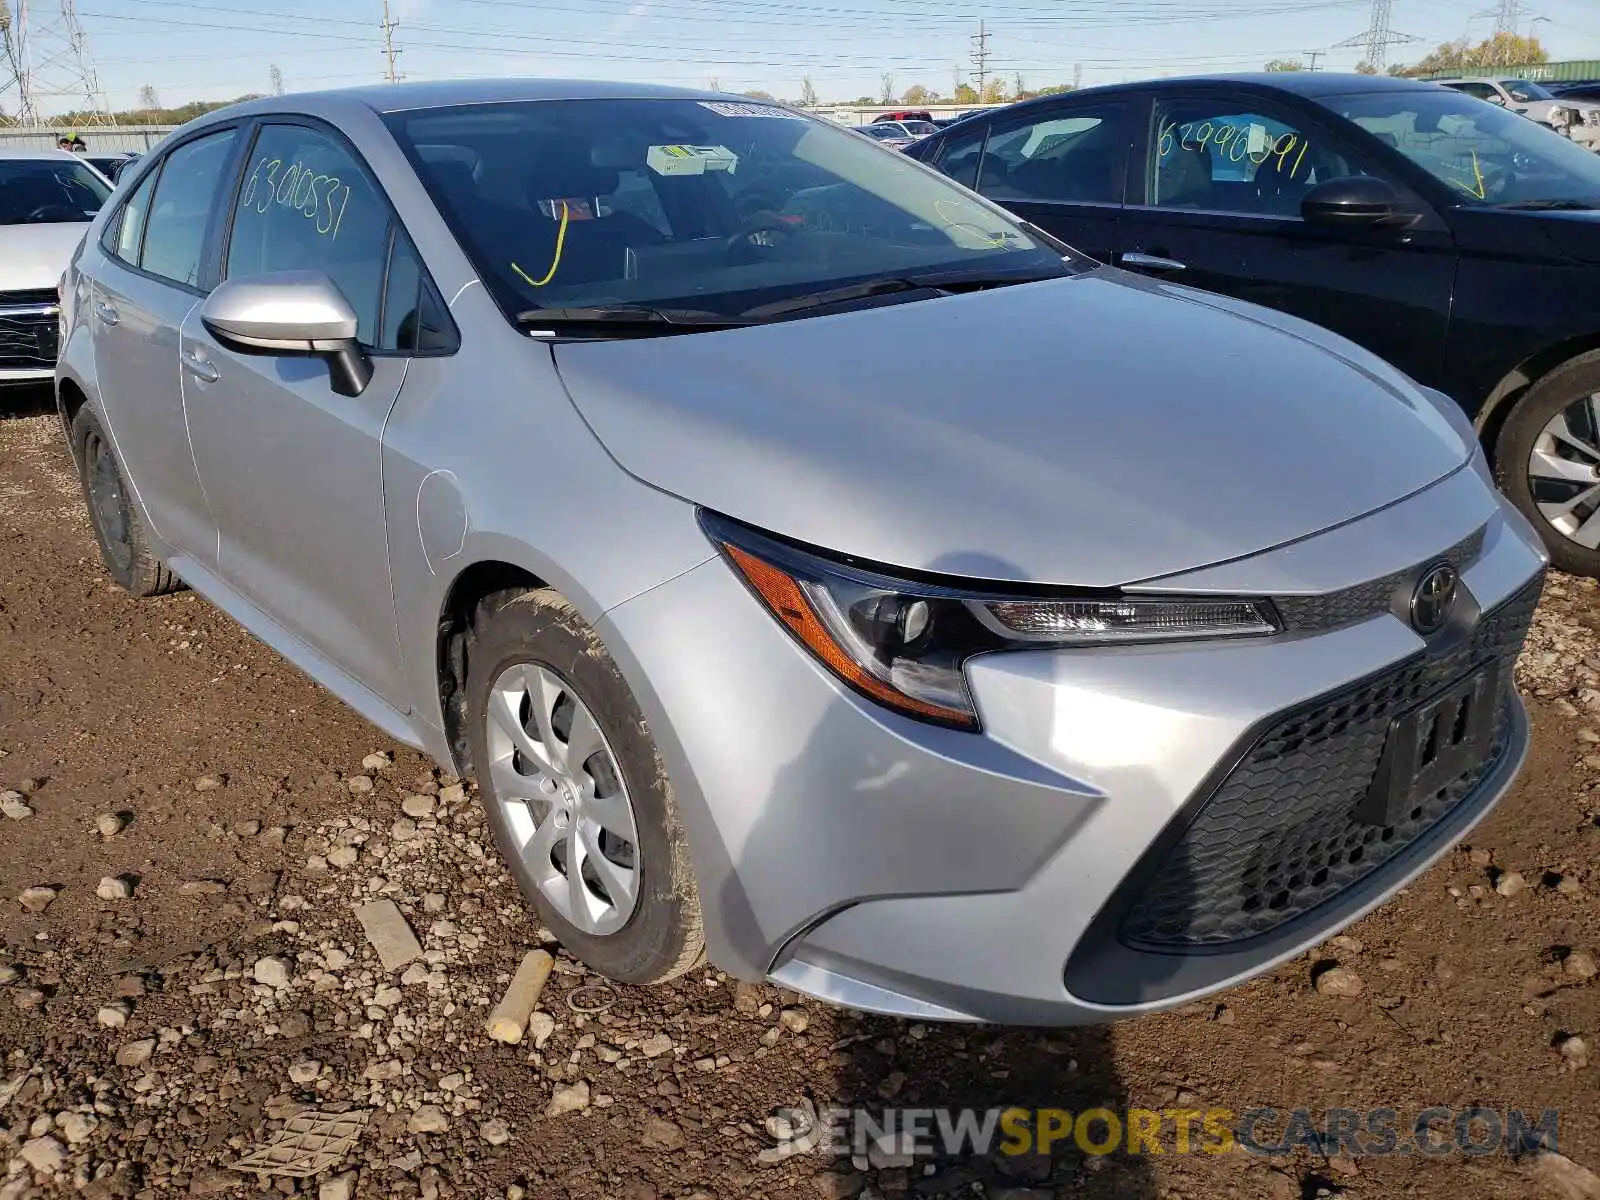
x=151, y=1041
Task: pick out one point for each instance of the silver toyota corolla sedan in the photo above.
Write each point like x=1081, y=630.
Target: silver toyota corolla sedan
x=1113, y=645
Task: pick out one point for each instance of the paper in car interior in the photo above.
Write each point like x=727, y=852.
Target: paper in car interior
x=691, y=160
x=733, y=108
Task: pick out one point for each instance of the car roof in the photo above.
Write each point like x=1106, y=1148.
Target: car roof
x=1312, y=84
x=37, y=152
x=403, y=97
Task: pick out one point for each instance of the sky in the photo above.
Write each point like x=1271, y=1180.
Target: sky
x=217, y=49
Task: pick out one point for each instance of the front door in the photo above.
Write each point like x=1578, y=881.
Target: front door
x=1060, y=166
x=145, y=284
x=1224, y=175
x=294, y=470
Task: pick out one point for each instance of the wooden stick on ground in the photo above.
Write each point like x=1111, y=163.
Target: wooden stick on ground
x=509, y=1019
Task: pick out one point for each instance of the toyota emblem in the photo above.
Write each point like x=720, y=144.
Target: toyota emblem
x=1433, y=598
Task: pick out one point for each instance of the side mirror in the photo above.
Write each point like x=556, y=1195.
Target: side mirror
x=1496, y=98
x=1356, y=202
x=291, y=313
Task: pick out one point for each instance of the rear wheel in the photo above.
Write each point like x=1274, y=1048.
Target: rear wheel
x=1547, y=460
x=124, y=544
x=576, y=793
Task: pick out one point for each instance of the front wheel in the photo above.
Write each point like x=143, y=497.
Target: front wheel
x=1547, y=460
x=576, y=793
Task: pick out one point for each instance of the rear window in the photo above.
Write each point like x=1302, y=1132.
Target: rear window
x=46, y=192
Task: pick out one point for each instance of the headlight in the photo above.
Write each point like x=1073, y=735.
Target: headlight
x=903, y=642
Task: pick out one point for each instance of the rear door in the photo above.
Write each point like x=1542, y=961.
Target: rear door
x=146, y=280
x=1061, y=166
x=1216, y=205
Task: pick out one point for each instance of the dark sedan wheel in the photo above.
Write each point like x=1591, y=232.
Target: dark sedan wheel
x=1547, y=460
x=575, y=790
x=124, y=545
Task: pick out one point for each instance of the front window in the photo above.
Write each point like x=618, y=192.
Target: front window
x=715, y=206
x=1228, y=158
x=1524, y=92
x=38, y=191
x=1485, y=154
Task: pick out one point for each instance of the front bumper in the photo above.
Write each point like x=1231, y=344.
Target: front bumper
x=30, y=330
x=1586, y=135
x=892, y=866
x=25, y=376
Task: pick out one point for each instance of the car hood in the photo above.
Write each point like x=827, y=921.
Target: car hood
x=1576, y=234
x=34, y=256
x=1095, y=430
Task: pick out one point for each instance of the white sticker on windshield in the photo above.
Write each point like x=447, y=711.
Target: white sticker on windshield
x=734, y=108
x=691, y=160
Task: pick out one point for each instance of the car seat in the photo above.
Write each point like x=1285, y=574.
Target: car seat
x=1184, y=178
x=595, y=247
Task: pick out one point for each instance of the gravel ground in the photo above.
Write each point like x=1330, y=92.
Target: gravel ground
x=185, y=990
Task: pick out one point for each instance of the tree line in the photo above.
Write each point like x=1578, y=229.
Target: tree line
x=995, y=90
x=1501, y=50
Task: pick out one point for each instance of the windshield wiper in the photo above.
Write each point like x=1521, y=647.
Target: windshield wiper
x=1549, y=205
x=628, y=316
x=960, y=279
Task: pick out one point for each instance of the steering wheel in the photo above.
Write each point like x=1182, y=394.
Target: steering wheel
x=1496, y=175
x=764, y=231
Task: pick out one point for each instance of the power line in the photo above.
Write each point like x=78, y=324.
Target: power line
x=1507, y=16
x=782, y=13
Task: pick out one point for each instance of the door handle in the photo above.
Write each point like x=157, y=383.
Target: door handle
x=106, y=313
x=199, y=367
x=1150, y=262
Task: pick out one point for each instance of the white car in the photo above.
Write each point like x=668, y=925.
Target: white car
x=897, y=135
x=1578, y=119
x=47, y=199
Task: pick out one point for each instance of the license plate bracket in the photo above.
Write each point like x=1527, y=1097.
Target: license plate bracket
x=1432, y=746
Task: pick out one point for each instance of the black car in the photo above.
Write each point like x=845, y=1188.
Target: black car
x=112, y=165
x=1455, y=239
x=1575, y=89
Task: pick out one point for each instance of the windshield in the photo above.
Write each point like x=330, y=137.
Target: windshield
x=885, y=130
x=1522, y=91
x=710, y=205
x=920, y=128
x=1485, y=154
x=42, y=191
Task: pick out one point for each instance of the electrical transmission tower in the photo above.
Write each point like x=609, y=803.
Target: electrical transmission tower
x=1375, y=42
x=389, y=26
x=980, y=57
x=1506, y=16
x=45, y=68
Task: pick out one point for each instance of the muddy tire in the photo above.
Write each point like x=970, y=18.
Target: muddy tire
x=124, y=542
x=575, y=790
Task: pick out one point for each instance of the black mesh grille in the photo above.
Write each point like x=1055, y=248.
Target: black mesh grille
x=1280, y=835
x=28, y=339
x=1364, y=600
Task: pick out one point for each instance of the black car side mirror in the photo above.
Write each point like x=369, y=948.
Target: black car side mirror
x=1357, y=202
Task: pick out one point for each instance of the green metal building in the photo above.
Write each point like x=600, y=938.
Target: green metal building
x=1548, y=72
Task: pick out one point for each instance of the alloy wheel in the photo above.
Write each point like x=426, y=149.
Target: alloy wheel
x=563, y=798
x=1564, y=472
